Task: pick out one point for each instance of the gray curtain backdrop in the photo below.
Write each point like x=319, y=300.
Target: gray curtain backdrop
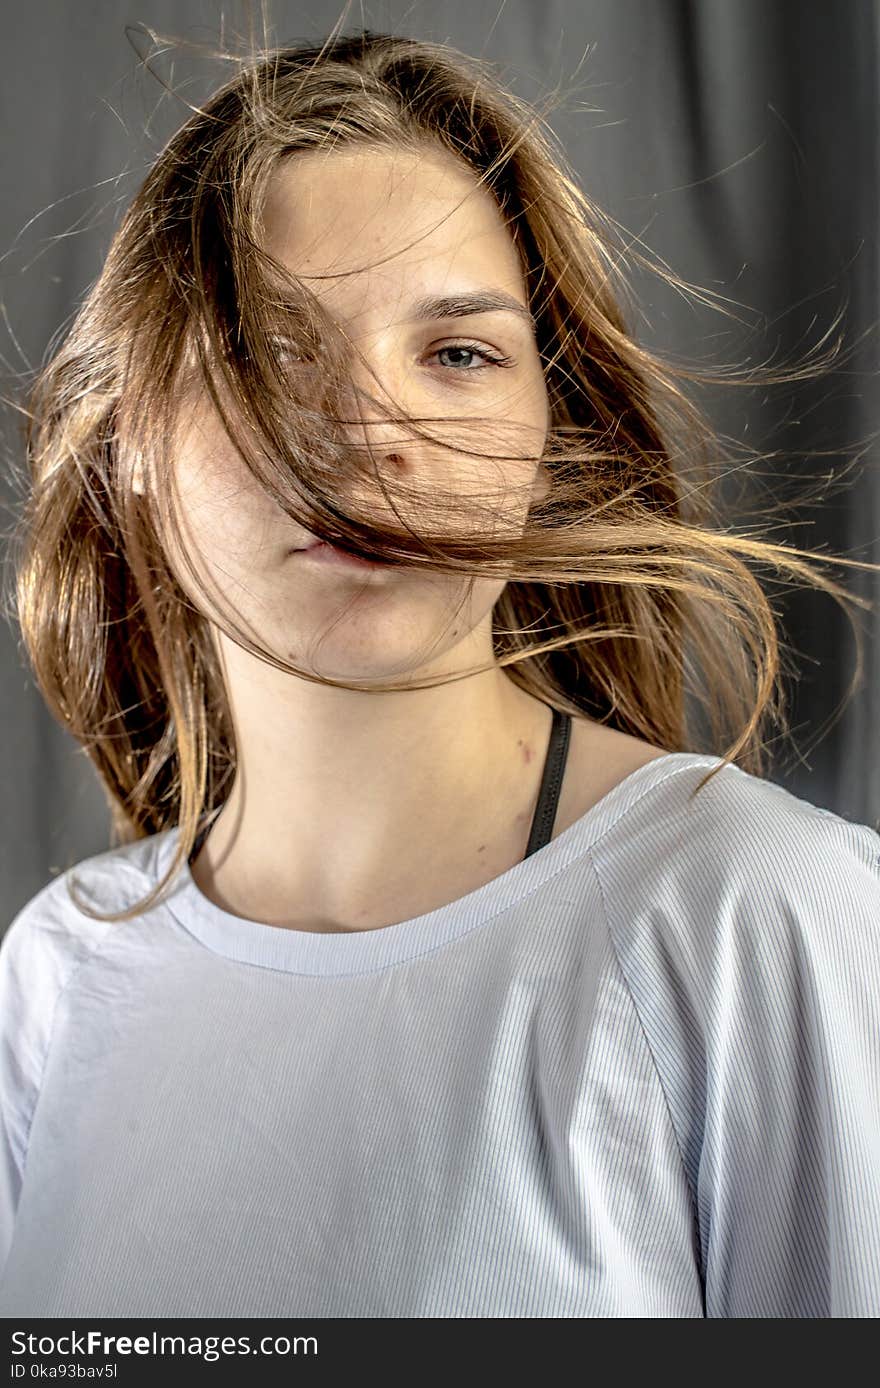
x=738, y=140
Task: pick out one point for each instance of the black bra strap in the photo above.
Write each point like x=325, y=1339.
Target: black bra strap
x=551, y=782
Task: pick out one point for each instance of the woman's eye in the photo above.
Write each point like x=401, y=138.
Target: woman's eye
x=289, y=353
x=462, y=354
x=471, y=349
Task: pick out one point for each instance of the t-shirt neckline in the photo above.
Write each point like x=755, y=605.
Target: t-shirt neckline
x=366, y=951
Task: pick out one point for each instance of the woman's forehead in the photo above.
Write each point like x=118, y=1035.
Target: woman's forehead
x=413, y=216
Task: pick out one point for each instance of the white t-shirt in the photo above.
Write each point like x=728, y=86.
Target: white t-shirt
x=637, y=1074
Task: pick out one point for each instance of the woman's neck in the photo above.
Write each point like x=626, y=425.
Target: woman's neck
x=353, y=810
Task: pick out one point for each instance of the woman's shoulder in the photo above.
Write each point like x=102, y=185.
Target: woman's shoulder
x=40, y=952
x=738, y=878
x=729, y=825
x=598, y=759
x=49, y=935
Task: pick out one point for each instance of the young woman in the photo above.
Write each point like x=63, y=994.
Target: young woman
x=433, y=973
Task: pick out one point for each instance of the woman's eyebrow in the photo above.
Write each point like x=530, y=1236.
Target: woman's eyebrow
x=459, y=305
x=462, y=305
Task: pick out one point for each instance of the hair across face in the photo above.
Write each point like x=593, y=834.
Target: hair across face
x=393, y=269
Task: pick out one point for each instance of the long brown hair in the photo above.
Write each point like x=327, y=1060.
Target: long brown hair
x=626, y=598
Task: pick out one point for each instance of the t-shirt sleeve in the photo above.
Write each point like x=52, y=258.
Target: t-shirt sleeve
x=34, y=964
x=754, y=963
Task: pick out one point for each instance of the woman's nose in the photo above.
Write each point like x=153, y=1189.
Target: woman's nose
x=374, y=412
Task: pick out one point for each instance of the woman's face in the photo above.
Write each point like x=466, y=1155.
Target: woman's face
x=387, y=230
